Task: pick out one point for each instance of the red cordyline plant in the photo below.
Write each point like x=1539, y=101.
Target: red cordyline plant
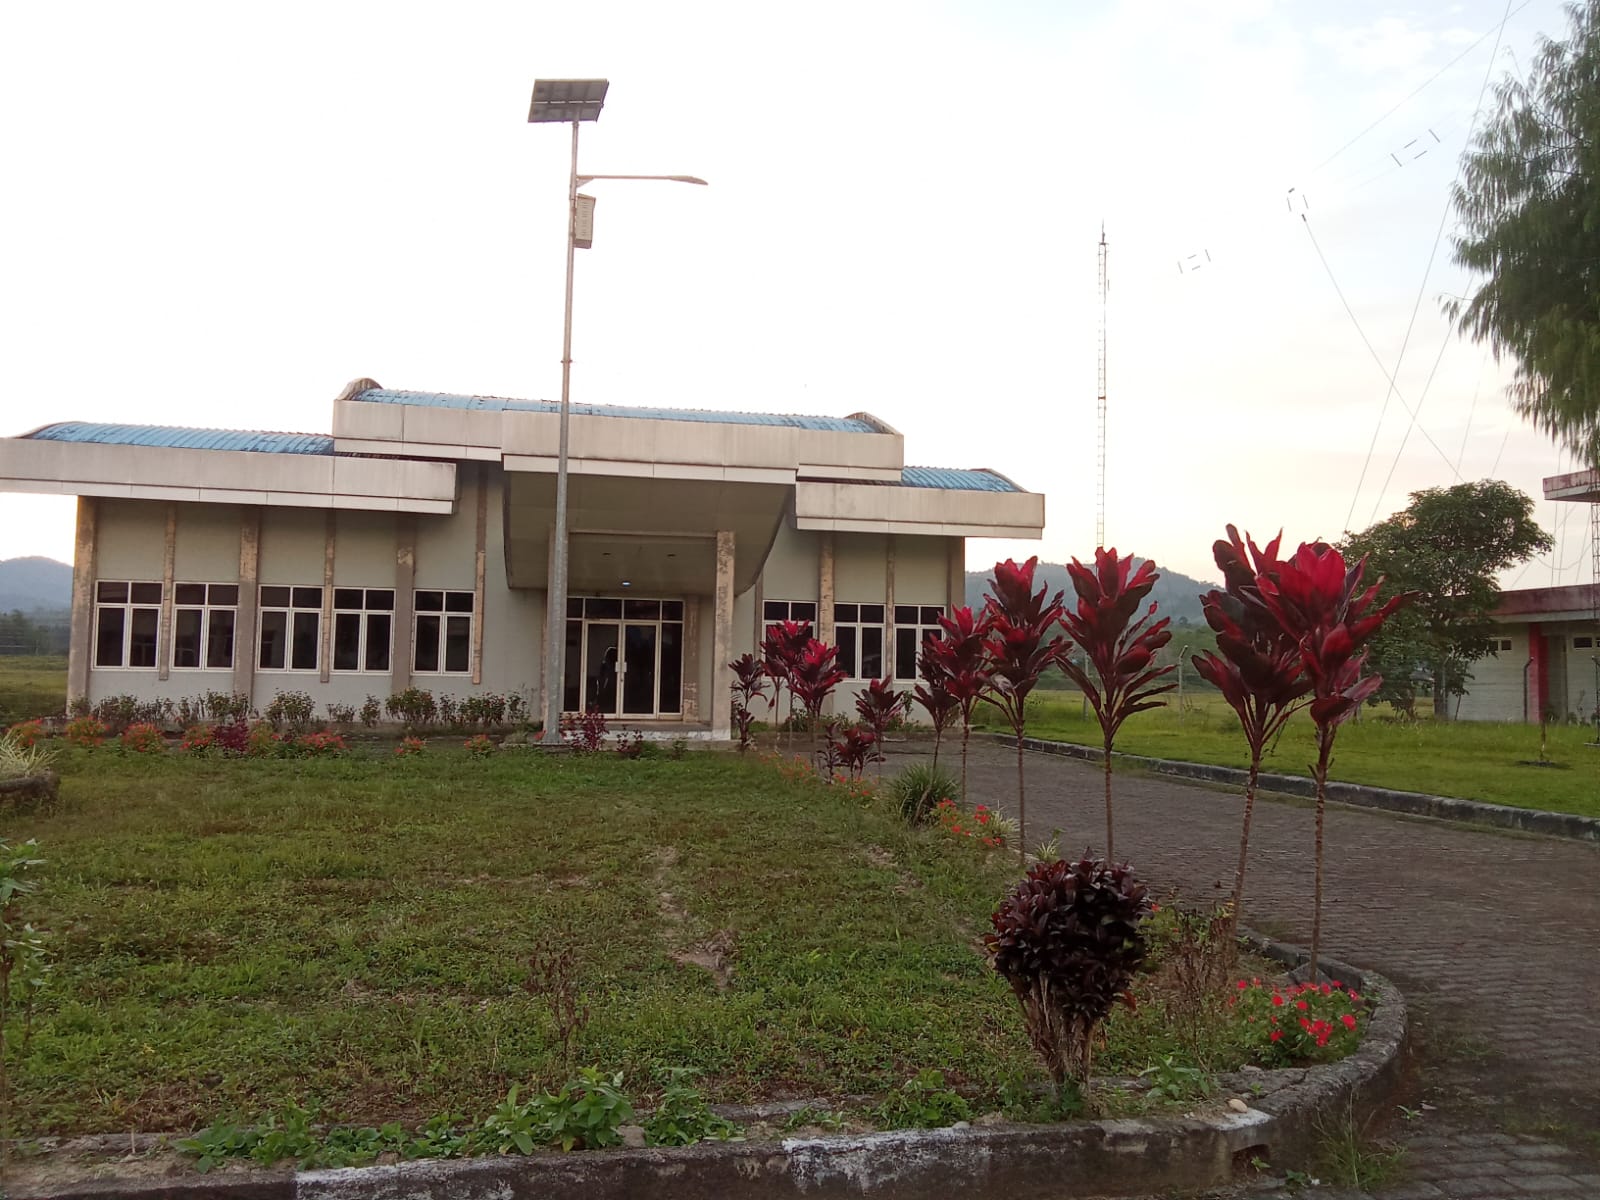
x=813, y=678
x=780, y=651
x=1317, y=600
x=851, y=747
x=1120, y=653
x=933, y=693
x=747, y=686
x=1021, y=648
x=964, y=663
x=1258, y=669
x=877, y=707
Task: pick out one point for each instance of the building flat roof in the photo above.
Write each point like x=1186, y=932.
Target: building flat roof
x=184, y=437
x=703, y=415
x=955, y=479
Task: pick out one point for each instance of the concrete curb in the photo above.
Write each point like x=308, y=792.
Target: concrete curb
x=1077, y=1159
x=1417, y=804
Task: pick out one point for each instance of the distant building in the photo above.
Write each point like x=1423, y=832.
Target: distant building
x=411, y=547
x=1547, y=657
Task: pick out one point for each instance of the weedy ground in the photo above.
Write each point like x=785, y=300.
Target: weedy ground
x=1473, y=760
x=233, y=937
x=32, y=686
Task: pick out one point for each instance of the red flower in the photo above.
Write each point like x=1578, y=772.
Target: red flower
x=1301, y=1005
x=1277, y=1000
x=1349, y=1021
x=1243, y=985
x=1276, y=1034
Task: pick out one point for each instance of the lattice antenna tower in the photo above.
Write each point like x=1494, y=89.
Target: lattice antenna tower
x=1100, y=409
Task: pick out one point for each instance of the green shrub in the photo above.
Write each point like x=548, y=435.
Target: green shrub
x=923, y=1102
x=682, y=1117
x=917, y=788
x=291, y=709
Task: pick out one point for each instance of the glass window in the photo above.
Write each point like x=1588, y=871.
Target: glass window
x=443, y=633
x=858, y=631
x=127, y=618
x=788, y=610
x=363, y=620
x=202, y=625
x=913, y=625
x=290, y=628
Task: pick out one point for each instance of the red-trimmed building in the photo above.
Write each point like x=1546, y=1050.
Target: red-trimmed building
x=1547, y=659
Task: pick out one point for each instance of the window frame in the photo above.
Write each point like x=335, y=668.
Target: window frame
x=907, y=671
x=292, y=610
x=788, y=609
x=444, y=614
x=860, y=625
x=206, y=608
x=364, y=620
x=127, y=607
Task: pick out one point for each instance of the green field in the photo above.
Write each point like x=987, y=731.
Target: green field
x=1473, y=760
x=353, y=935
x=31, y=687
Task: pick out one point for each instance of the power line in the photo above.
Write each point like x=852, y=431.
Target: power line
x=1438, y=236
x=1401, y=104
x=1365, y=341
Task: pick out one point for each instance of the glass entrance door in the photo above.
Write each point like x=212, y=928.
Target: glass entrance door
x=624, y=657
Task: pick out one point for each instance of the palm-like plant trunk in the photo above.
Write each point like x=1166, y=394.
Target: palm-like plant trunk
x=1324, y=753
x=1022, y=808
x=966, y=736
x=1111, y=854
x=938, y=736
x=1236, y=902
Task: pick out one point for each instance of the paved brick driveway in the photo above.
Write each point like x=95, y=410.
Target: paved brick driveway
x=1494, y=937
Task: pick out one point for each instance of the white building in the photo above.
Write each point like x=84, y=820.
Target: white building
x=410, y=548
x=1546, y=660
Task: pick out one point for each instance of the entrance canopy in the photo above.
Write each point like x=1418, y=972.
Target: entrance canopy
x=643, y=535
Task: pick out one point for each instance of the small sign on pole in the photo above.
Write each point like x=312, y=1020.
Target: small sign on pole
x=583, y=222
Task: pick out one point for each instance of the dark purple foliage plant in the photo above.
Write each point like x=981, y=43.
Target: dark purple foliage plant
x=963, y=660
x=1317, y=599
x=1257, y=668
x=812, y=680
x=1120, y=651
x=878, y=706
x=749, y=685
x=1021, y=645
x=1067, y=940
x=933, y=693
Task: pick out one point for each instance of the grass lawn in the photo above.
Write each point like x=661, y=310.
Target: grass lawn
x=32, y=686
x=1475, y=760
x=353, y=935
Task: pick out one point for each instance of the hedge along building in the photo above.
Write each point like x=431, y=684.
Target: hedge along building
x=411, y=548
x=1545, y=663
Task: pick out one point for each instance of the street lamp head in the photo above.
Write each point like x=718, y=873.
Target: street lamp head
x=563, y=100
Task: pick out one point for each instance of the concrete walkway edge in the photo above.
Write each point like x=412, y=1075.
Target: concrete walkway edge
x=1418, y=804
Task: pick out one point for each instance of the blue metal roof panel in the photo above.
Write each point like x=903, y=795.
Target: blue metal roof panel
x=707, y=416
x=954, y=479
x=182, y=438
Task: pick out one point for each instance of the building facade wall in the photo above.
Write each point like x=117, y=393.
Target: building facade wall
x=131, y=543
x=1562, y=681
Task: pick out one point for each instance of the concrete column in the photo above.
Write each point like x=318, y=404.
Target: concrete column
x=80, y=650
x=722, y=639
x=691, y=658
x=888, y=608
x=405, y=577
x=478, y=616
x=824, y=629
x=956, y=589
x=169, y=557
x=246, y=619
x=330, y=537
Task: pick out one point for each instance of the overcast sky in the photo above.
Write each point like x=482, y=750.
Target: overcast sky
x=217, y=214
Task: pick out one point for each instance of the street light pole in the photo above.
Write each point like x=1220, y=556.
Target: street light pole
x=564, y=100
x=556, y=585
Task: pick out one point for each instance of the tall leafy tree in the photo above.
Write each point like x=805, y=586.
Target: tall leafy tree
x=1528, y=204
x=1446, y=546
